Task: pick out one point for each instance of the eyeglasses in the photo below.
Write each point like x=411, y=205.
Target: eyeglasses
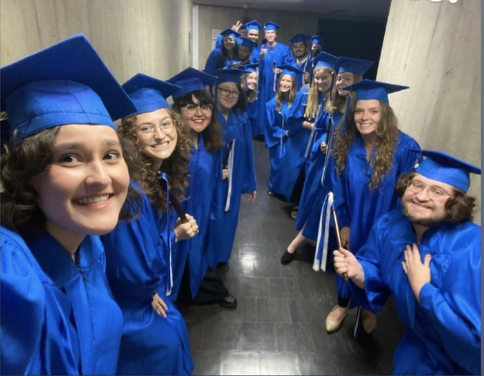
x=228, y=93
x=434, y=193
x=192, y=108
x=166, y=126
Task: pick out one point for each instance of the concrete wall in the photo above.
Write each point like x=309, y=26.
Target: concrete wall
x=435, y=48
x=223, y=18
x=148, y=36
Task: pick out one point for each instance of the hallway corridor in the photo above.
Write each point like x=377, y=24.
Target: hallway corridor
x=279, y=325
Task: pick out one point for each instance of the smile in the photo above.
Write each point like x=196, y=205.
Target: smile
x=95, y=200
x=161, y=145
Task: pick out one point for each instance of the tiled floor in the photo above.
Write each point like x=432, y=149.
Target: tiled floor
x=278, y=327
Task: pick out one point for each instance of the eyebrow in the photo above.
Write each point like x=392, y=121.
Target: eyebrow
x=77, y=145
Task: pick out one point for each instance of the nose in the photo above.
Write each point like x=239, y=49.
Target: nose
x=423, y=195
x=198, y=111
x=97, y=174
x=158, y=133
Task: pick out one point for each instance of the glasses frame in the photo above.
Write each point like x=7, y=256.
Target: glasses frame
x=228, y=93
x=165, y=129
x=431, y=190
x=209, y=108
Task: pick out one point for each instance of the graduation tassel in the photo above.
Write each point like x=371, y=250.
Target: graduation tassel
x=230, y=165
x=281, y=138
x=275, y=75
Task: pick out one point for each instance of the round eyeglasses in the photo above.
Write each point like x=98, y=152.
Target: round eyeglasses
x=149, y=129
x=434, y=193
x=229, y=93
x=192, y=108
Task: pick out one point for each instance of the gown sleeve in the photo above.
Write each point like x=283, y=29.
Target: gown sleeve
x=273, y=127
x=212, y=59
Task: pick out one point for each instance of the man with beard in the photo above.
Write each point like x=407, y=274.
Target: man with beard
x=427, y=256
x=301, y=56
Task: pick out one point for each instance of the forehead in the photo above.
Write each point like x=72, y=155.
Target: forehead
x=322, y=73
x=433, y=183
x=345, y=75
x=152, y=116
x=229, y=39
x=367, y=103
x=299, y=44
x=253, y=31
x=287, y=77
x=228, y=85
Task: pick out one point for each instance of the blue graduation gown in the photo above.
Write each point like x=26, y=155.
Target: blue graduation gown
x=314, y=194
x=279, y=54
x=286, y=152
x=222, y=231
x=137, y=267
x=443, y=332
x=251, y=111
x=353, y=199
x=204, y=202
x=97, y=317
x=212, y=60
x=37, y=335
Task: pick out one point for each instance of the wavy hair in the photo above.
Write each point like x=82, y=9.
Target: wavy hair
x=21, y=162
x=212, y=135
x=459, y=208
x=176, y=166
x=289, y=97
x=386, y=143
x=313, y=96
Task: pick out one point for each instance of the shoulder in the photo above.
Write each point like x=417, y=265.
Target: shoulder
x=405, y=142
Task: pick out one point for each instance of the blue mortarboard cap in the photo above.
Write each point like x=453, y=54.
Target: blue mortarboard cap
x=290, y=70
x=352, y=65
x=66, y=83
x=190, y=80
x=228, y=75
x=447, y=169
x=148, y=93
x=325, y=60
x=248, y=68
x=252, y=25
x=230, y=33
x=369, y=89
x=269, y=25
x=299, y=38
x=316, y=39
x=246, y=43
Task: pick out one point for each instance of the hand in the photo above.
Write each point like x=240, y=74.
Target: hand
x=418, y=273
x=159, y=305
x=251, y=196
x=347, y=266
x=237, y=26
x=277, y=70
x=263, y=51
x=323, y=147
x=186, y=230
x=345, y=237
x=225, y=173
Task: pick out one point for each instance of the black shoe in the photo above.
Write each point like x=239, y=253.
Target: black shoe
x=229, y=302
x=287, y=257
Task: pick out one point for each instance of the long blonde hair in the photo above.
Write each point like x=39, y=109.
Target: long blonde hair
x=313, y=103
x=386, y=143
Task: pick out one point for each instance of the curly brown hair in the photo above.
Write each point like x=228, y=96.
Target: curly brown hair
x=289, y=97
x=212, y=135
x=176, y=167
x=459, y=208
x=386, y=143
x=21, y=162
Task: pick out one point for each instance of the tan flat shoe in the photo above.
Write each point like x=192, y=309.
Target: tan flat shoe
x=335, y=318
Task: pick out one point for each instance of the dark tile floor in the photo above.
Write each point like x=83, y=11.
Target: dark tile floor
x=279, y=325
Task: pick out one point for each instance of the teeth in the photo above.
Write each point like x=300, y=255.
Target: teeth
x=92, y=200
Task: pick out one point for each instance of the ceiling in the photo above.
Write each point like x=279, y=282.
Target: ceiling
x=364, y=10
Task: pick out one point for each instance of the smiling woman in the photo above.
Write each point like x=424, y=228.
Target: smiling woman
x=65, y=180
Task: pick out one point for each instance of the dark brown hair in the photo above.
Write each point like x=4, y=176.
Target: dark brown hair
x=458, y=208
x=21, y=162
x=212, y=135
x=176, y=166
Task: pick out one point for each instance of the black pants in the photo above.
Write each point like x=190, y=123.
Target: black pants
x=212, y=289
